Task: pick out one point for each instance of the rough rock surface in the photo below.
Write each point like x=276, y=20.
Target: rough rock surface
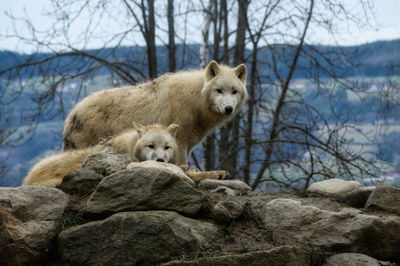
x=224, y=190
x=144, y=189
x=222, y=209
x=106, y=162
x=79, y=184
x=236, y=185
x=137, y=216
x=161, y=166
x=131, y=238
x=357, y=198
x=385, y=198
x=333, y=187
x=283, y=255
x=353, y=259
x=28, y=217
x=346, y=229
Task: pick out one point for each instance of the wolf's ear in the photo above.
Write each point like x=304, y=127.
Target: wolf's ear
x=138, y=127
x=212, y=70
x=172, y=129
x=241, y=72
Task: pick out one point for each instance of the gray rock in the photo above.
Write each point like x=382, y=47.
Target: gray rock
x=106, y=163
x=79, y=184
x=357, y=197
x=144, y=189
x=385, y=198
x=224, y=190
x=210, y=184
x=28, y=217
x=36, y=203
x=283, y=255
x=333, y=187
x=345, y=229
x=353, y=259
x=222, y=209
x=162, y=166
x=131, y=238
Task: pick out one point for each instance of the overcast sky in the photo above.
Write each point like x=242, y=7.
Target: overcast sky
x=386, y=15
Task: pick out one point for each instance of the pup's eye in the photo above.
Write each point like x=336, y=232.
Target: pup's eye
x=166, y=147
x=219, y=91
x=234, y=91
x=151, y=146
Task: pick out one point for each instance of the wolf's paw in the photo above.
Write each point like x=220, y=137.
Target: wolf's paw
x=197, y=176
x=189, y=168
x=222, y=174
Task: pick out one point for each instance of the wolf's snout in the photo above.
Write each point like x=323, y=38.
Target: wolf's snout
x=160, y=160
x=228, y=109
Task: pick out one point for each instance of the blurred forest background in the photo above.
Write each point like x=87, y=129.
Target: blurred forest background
x=314, y=111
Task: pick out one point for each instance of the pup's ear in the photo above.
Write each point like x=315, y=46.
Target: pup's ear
x=212, y=70
x=172, y=129
x=138, y=127
x=241, y=72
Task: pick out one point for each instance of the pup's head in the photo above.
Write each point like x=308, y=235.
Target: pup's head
x=225, y=87
x=156, y=142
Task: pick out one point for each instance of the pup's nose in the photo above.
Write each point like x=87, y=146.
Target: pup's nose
x=160, y=160
x=228, y=109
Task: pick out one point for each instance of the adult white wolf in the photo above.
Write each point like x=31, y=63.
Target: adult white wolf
x=197, y=100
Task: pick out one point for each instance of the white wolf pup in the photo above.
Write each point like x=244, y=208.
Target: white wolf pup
x=153, y=142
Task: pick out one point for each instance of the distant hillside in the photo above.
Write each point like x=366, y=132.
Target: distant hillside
x=371, y=59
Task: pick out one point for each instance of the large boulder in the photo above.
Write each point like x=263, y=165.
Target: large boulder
x=28, y=219
x=385, y=198
x=283, y=255
x=131, y=238
x=345, y=229
x=144, y=189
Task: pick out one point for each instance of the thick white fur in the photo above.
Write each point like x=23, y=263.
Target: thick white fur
x=190, y=99
x=51, y=170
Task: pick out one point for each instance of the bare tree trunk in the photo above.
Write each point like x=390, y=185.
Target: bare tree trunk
x=224, y=21
x=151, y=43
x=148, y=31
x=204, y=34
x=229, y=146
x=251, y=101
x=171, y=37
x=209, y=143
x=241, y=32
x=248, y=139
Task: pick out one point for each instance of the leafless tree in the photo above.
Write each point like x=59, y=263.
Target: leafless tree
x=279, y=137
x=171, y=36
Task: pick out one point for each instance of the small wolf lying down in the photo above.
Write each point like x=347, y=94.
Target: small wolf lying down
x=153, y=142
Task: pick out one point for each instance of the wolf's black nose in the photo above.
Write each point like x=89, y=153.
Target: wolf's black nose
x=160, y=160
x=228, y=109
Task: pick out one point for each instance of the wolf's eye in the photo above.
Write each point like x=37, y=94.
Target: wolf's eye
x=151, y=146
x=234, y=91
x=166, y=147
x=219, y=91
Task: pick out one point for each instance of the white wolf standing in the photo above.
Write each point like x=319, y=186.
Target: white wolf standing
x=197, y=100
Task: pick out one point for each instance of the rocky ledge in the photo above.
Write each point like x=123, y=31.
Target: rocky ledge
x=108, y=215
